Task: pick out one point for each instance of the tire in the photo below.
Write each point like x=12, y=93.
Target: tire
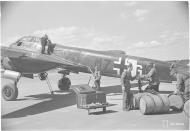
x=10, y=92
x=64, y=84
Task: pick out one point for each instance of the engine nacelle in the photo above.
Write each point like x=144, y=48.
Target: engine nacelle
x=7, y=64
x=12, y=75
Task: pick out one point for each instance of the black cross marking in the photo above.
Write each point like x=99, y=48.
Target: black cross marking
x=121, y=66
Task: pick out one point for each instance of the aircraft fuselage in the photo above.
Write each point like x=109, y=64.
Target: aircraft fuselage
x=111, y=63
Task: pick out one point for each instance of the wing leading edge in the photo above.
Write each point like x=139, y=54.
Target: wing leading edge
x=19, y=53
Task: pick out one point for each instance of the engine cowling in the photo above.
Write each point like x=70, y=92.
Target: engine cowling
x=7, y=64
x=12, y=75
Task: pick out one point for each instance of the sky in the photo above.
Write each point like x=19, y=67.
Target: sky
x=157, y=30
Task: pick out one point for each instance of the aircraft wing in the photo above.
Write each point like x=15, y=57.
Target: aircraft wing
x=12, y=53
x=65, y=63
x=19, y=53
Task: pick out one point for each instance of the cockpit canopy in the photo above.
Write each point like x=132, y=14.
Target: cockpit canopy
x=32, y=43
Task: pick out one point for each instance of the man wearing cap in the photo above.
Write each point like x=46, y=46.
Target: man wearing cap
x=152, y=77
x=183, y=87
x=126, y=77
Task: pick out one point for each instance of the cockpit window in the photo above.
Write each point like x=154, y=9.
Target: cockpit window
x=32, y=43
x=29, y=39
x=34, y=39
x=26, y=39
x=29, y=42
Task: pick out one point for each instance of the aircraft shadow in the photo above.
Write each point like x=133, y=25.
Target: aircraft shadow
x=101, y=112
x=53, y=103
x=49, y=103
x=56, y=102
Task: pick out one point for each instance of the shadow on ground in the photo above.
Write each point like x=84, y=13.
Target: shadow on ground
x=101, y=112
x=170, y=112
x=49, y=103
x=57, y=101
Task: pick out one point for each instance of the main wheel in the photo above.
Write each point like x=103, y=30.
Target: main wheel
x=10, y=92
x=64, y=83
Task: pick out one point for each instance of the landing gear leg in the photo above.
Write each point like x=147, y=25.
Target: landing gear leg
x=44, y=76
x=49, y=85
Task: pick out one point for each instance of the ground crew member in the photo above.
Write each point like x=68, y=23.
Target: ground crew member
x=97, y=77
x=44, y=42
x=183, y=87
x=126, y=77
x=152, y=77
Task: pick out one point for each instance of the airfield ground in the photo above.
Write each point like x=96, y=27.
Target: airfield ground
x=36, y=109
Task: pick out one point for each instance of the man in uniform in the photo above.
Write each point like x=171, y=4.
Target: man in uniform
x=44, y=42
x=126, y=77
x=152, y=77
x=183, y=87
x=50, y=47
x=97, y=78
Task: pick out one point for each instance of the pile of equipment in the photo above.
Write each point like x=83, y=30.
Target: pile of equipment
x=149, y=103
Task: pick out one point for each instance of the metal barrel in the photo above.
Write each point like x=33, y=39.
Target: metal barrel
x=152, y=104
x=186, y=108
x=166, y=103
x=136, y=100
x=176, y=102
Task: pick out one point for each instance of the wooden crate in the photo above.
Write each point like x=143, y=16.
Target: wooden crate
x=85, y=96
x=84, y=99
x=100, y=97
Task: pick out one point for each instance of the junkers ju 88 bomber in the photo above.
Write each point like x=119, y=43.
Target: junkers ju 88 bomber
x=24, y=58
